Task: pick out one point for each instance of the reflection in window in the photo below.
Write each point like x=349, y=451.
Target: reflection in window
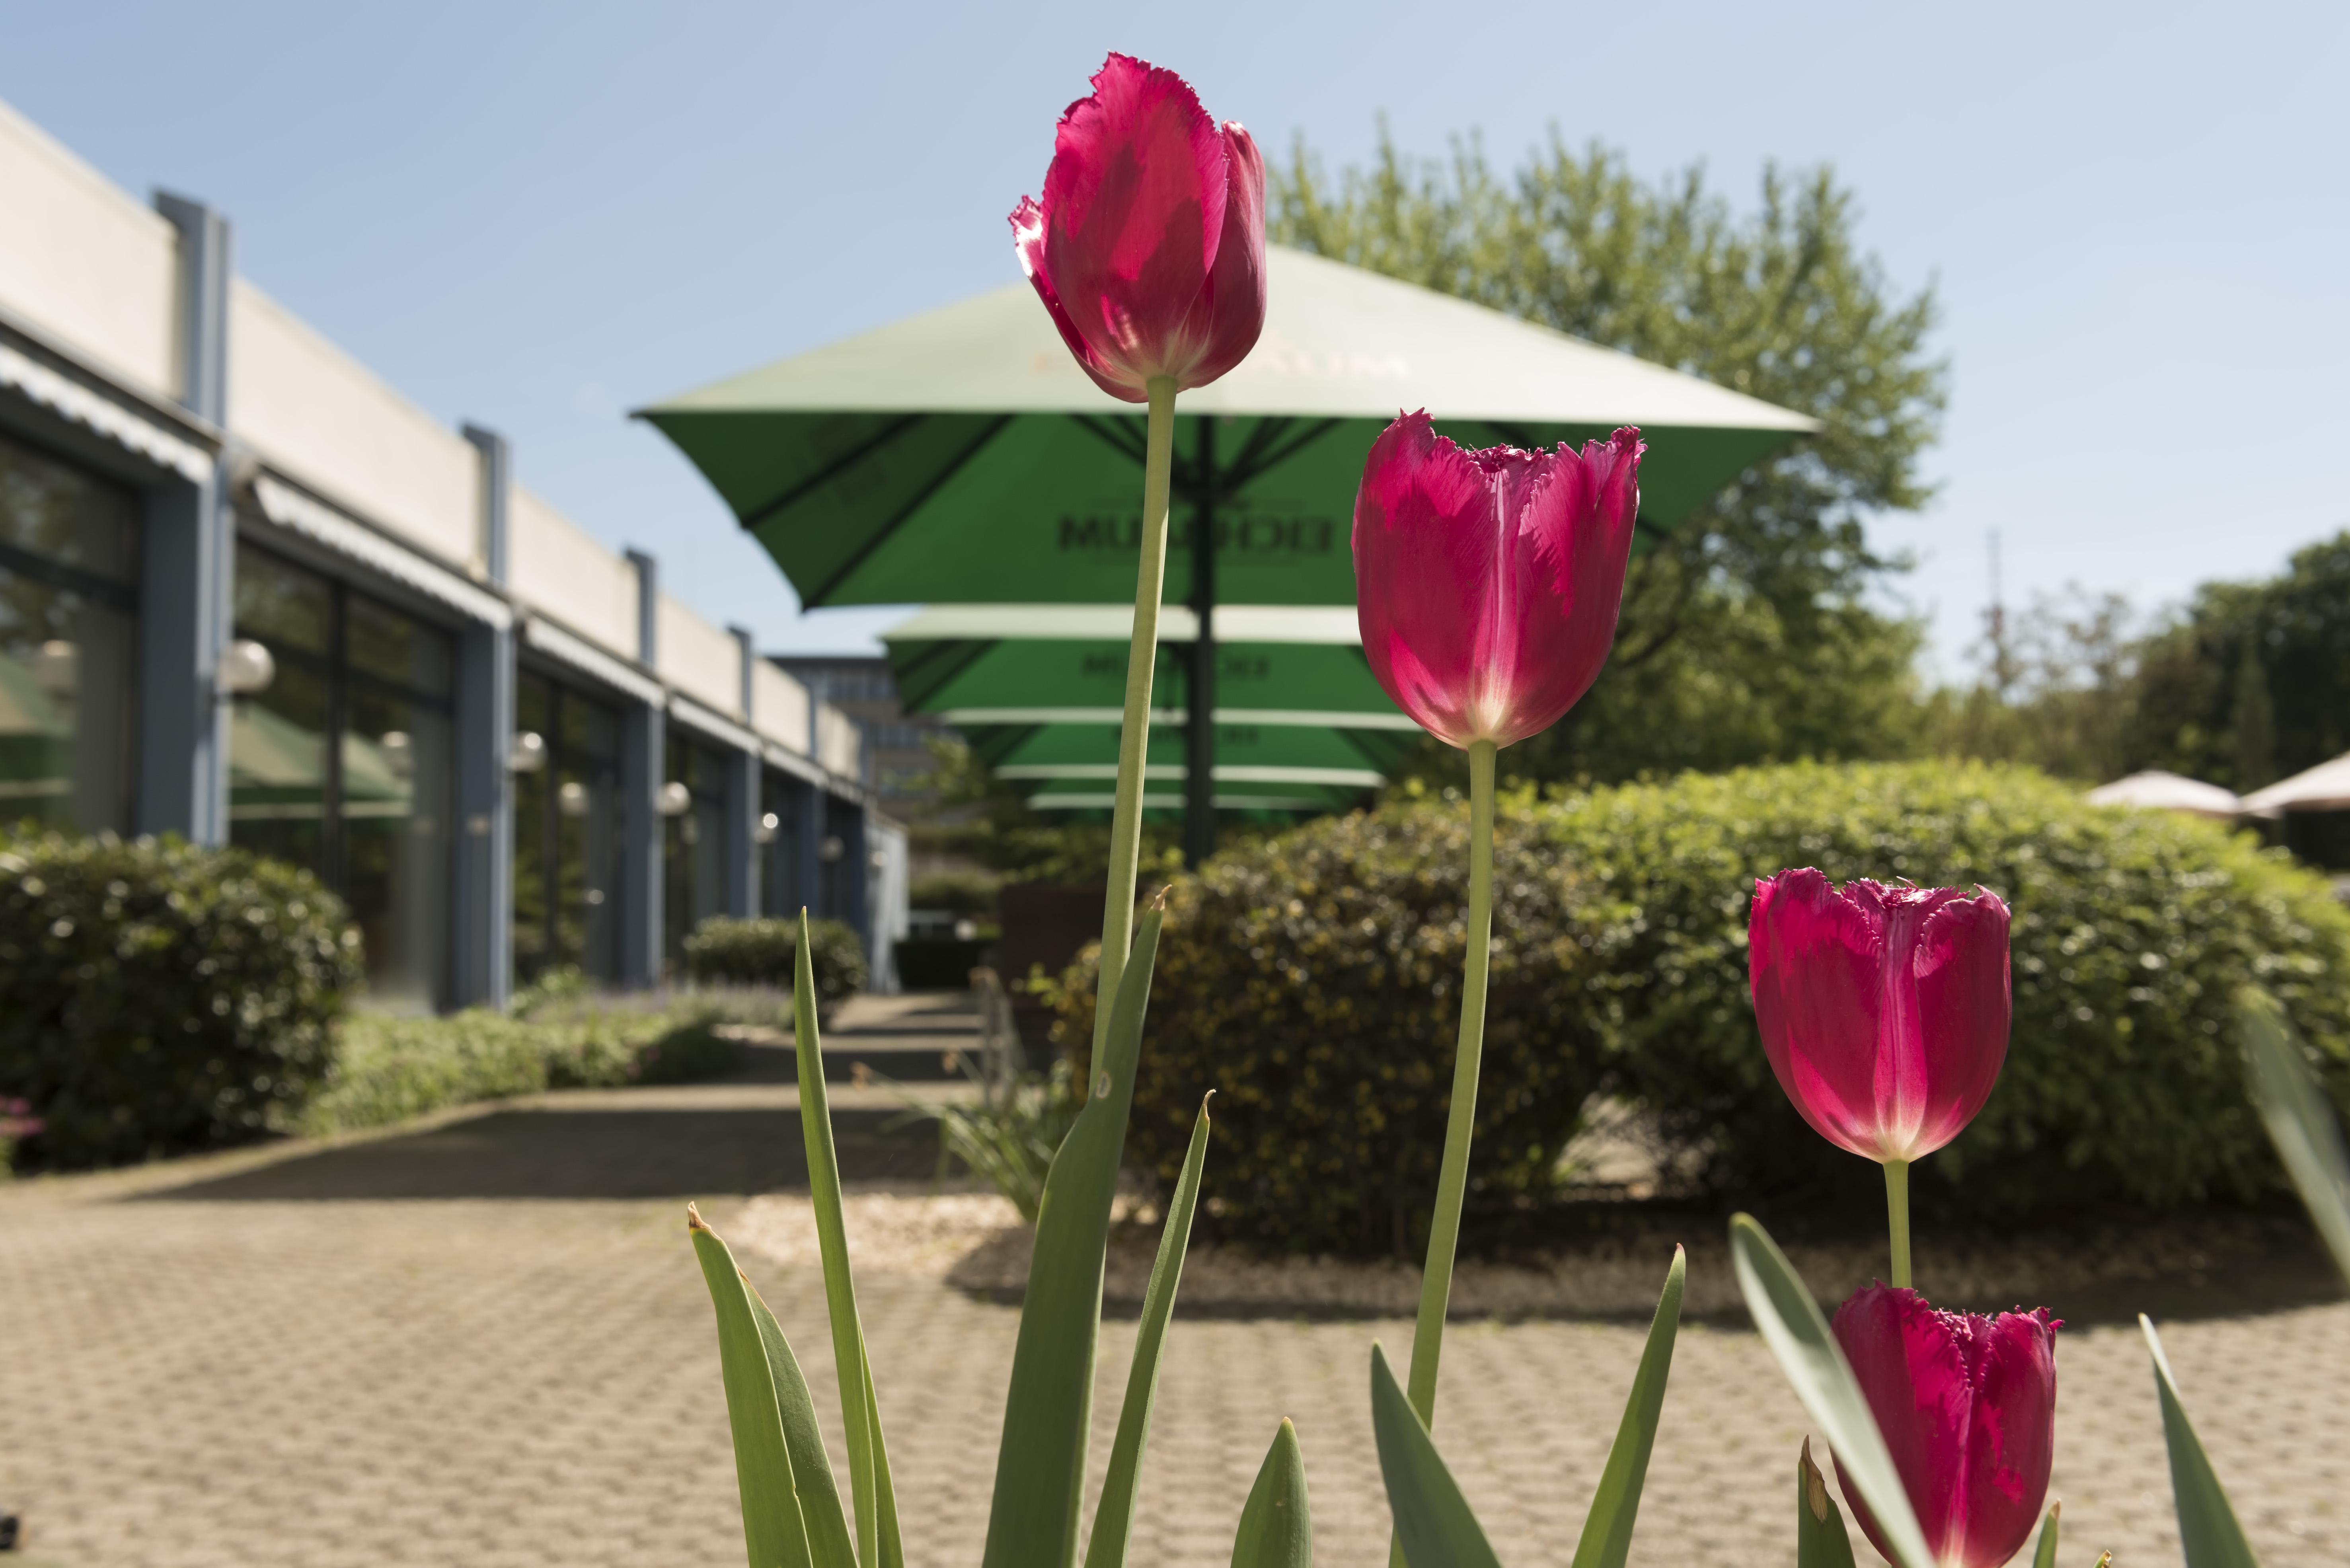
x=369, y=813
x=566, y=835
x=693, y=844
x=69, y=604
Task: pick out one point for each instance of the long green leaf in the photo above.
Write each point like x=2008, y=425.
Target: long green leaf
x=1276, y=1530
x=772, y=1531
x=1114, y=1514
x=860, y=1418
x=893, y=1550
x=1791, y=1325
x=2300, y=1117
x=820, y=1512
x=2208, y=1531
x=1607, y=1528
x=1821, y=1538
x=1048, y=1411
x=1433, y=1522
x=2044, y=1554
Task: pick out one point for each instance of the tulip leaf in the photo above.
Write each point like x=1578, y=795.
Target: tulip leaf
x=1790, y=1323
x=1607, y=1528
x=1276, y=1532
x=2300, y=1118
x=1433, y=1524
x=1048, y=1411
x=1821, y=1538
x=2207, y=1532
x=2044, y=1554
x=773, y=1532
x=860, y=1416
x=1114, y=1514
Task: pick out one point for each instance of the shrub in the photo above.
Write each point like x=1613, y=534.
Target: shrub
x=957, y=892
x=156, y=997
x=390, y=1068
x=2131, y=932
x=726, y=951
x=1313, y=982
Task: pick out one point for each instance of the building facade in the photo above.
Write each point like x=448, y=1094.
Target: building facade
x=252, y=596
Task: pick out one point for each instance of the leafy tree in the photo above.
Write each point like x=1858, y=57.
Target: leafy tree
x=1750, y=635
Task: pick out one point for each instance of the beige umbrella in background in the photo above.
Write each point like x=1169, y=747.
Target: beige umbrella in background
x=2156, y=791
x=2326, y=787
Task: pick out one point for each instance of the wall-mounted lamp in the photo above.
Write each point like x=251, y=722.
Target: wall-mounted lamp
x=768, y=826
x=398, y=752
x=58, y=668
x=572, y=800
x=676, y=800
x=246, y=667
x=832, y=848
x=528, y=753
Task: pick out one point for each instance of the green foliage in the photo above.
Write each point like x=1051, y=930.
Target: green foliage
x=2209, y=1533
x=957, y=892
x=1748, y=635
x=1313, y=982
x=389, y=1068
x=157, y=997
x=723, y=950
x=2132, y=932
x=1008, y=1139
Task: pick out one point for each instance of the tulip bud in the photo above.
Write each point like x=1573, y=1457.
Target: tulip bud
x=1883, y=1011
x=1968, y=1406
x=1149, y=245
x=1487, y=583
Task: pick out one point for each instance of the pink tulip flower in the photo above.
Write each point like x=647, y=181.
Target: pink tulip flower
x=1149, y=245
x=1883, y=1011
x=1968, y=1406
x=1487, y=583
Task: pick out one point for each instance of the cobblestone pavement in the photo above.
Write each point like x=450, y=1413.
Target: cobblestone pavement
x=446, y=1348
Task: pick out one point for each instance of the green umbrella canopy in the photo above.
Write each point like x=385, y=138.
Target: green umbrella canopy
x=1257, y=767
x=1026, y=664
x=960, y=456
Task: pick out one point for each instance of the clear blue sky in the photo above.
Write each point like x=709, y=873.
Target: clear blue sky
x=540, y=216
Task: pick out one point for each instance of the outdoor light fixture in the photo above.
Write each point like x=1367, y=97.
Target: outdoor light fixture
x=58, y=668
x=833, y=848
x=528, y=753
x=675, y=799
x=246, y=667
x=769, y=825
x=397, y=753
x=571, y=800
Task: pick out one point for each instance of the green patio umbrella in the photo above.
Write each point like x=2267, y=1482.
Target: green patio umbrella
x=960, y=456
x=1259, y=767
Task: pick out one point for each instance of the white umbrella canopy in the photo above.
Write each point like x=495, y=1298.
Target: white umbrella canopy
x=2326, y=787
x=2158, y=791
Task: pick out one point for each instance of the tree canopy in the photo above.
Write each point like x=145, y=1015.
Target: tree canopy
x=1751, y=635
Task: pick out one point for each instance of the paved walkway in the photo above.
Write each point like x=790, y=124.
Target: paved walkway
x=486, y=1344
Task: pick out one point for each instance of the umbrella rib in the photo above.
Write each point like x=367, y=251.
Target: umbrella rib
x=1245, y=470
x=831, y=470
x=1124, y=441
x=918, y=683
x=931, y=487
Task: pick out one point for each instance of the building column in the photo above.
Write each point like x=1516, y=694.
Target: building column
x=187, y=589
x=643, y=743
x=482, y=927
x=742, y=802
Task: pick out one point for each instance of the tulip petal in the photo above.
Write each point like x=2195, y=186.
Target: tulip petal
x=1229, y=313
x=1133, y=210
x=1028, y=244
x=1812, y=961
x=1961, y=969
x=1574, y=543
x=1422, y=568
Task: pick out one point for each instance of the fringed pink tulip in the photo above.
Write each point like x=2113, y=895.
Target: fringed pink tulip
x=1968, y=1406
x=1487, y=583
x=1883, y=1011
x=1149, y=245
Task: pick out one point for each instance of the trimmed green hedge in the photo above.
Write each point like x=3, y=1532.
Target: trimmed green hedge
x=157, y=997
x=1312, y=980
x=723, y=950
x=2132, y=930
x=389, y=1069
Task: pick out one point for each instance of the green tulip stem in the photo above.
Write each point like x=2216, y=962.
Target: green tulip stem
x=1453, y=1179
x=1134, y=736
x=1897, y=1210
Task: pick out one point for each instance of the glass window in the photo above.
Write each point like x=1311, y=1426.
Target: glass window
x=693, y=844
x=369, y=813
x=782, y=799
x=68, y=675
x=566, y=835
